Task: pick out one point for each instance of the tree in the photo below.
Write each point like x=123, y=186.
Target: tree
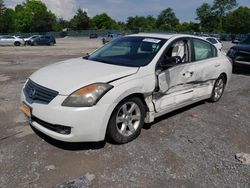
x=80, y=21
x=188, y=27
x=104, y=21
x=2, y=10
x=62, y=24
x=238, y=21
x=221, y=7
x=122, y=26
x=208, y=19
x=7, y=19
x=141, y=23
x=33, y=16
x=167, y=20
x=211, y=16
x=2, y=7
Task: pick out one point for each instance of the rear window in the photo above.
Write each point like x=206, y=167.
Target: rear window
x=212, y=40
x=203, y=50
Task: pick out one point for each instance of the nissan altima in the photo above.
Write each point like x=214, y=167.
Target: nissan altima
x=124, y=84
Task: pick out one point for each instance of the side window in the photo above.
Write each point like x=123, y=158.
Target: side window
x=203, y=50
x=180, y=48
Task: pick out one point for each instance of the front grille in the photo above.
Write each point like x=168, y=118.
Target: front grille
x=56, y=128
x=36, y=93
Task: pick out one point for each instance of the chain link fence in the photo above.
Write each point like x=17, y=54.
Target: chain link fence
x=102, y=33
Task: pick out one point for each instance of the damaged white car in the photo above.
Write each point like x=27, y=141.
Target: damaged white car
x=126, y=83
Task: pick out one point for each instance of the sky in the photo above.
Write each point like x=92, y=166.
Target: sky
x=121, y=9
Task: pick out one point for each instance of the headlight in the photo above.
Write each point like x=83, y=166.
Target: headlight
x=87, y=96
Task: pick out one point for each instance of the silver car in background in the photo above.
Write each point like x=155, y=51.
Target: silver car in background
x=8, y=40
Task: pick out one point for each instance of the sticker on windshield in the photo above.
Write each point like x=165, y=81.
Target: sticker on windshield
x=151, y=40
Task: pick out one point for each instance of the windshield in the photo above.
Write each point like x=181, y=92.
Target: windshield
x=129, y=51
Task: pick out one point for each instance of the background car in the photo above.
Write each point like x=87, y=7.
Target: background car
x=240, y=54
x=93, y=36
x=8, y=40
x=43, y=40
x=110, y=37
x=215, y=42
x=28, y=40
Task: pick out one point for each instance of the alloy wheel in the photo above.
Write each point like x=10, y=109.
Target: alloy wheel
x=128, y=118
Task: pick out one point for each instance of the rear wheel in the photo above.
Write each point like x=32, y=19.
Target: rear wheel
x=218, y=89
x=126, y=121
x=17, y=43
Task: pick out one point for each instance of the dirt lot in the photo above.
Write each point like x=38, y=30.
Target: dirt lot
x=192, y=147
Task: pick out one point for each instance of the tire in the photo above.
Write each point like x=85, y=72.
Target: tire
x=51, y=44
x=126, y=121
x=17, y=44
x=218, y=89
x=35, y=44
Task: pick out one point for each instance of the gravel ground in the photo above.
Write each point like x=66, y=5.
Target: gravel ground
x=191, y=147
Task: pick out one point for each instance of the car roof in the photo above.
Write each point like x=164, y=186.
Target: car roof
x=209, y=38
x=162, y=36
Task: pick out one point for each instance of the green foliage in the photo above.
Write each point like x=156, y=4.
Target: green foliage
x=188, y=27
x=221, y=7
x=33, y=16
x=167, y=20
x=7, y=19
x=104, y=21
x=141, y=23
x=62, y=24
x=238, y=21
x=208, y=19
x=80, y=21
x=211, y=16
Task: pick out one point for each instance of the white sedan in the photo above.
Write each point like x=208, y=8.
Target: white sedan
x=7, y=40
x=126, y=83
x=215, y=42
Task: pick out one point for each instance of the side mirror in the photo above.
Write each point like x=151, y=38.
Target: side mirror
x=170, y=62
x=86, y=56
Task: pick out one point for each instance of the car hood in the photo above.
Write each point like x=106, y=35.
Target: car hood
x=245, y=47
x=71, y=75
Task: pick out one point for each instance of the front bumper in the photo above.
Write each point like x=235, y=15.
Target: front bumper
x=87, y=124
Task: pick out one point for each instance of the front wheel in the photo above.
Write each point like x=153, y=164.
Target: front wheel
x=218, y=89
x=126, y=121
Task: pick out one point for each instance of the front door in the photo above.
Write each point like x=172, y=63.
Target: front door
x=175, y=84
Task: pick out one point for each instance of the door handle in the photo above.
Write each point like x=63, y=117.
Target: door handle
x=217, y=65
x=188, y=74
